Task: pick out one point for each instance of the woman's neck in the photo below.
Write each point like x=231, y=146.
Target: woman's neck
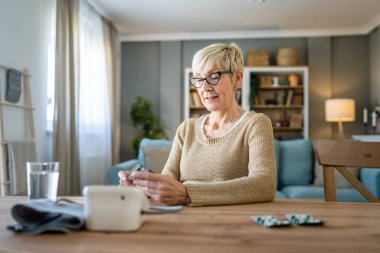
x=224, y=120
x=230, y=114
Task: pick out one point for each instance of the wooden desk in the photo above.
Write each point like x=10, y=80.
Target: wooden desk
x=349, y=227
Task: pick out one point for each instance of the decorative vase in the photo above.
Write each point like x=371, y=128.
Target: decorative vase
x=293, y=80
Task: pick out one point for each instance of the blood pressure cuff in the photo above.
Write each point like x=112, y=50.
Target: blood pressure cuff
x=40, y=216
x=13, y=90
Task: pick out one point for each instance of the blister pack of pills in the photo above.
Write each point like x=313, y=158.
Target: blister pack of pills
x=303, y=219
x=270, y=221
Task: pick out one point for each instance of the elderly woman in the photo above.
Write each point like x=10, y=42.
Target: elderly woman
x=224, y=157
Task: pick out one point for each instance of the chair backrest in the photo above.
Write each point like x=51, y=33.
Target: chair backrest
x=347, y=153
x=339, y=154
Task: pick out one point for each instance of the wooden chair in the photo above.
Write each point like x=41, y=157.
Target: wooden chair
x=340, y=154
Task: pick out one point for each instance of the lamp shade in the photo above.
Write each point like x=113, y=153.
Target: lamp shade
x=340, y=110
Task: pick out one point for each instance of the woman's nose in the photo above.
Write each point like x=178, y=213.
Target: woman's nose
x=206, y=86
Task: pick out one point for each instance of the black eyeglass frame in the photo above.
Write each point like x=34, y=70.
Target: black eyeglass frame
x=196, y=79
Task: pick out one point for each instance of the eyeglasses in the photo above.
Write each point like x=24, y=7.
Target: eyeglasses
x=212, y=79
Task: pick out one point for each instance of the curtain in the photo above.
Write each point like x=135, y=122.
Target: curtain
x=94, y=122
x=111, y=47
x=65, y=141
x=85, y=87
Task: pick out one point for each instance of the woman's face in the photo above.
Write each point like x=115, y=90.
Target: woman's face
x=221, y=96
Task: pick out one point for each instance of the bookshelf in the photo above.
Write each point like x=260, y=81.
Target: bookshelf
x=286, y=104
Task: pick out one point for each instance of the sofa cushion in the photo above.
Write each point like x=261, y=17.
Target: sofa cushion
x=155, y=157
x=317, y=192
x=371, y=180
x=340, y=180
x=280, y=195
x=151, y=143
x=296, y=162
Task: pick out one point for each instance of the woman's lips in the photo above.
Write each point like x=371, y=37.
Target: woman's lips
x=211, y=98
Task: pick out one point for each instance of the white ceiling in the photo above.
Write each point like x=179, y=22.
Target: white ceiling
x=211, y=19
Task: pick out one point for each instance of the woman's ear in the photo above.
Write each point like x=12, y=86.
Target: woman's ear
x=239, y=80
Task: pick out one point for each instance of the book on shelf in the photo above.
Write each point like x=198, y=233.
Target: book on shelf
x=196, y=99
x=256, y=99
x=191, y=100
x=281, y=97
x=297, y=98
x=289, y=97
x=265, y=81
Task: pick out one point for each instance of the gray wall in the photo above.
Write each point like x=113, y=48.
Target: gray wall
x=170, y=97
x=350, y=76
x=319, y=52
x=339, y=67
x=374, y=47
x=140, y=76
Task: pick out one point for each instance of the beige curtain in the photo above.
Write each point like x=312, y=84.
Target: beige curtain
x=69, y=132
x=111, y=46
x=65, y=141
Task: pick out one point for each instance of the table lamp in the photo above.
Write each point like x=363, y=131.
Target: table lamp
x=340, y=110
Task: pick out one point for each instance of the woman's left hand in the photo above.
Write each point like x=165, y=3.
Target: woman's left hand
x=162, y=188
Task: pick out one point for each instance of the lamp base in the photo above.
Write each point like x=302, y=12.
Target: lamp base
x=341, y=131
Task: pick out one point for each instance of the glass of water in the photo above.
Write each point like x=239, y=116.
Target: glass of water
x=42, y=180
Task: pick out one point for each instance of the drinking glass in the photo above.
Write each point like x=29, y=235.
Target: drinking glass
x=42, y=180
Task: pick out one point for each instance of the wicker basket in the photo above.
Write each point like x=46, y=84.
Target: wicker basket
x=265, y=81
x=288, y=57
x=257, y=58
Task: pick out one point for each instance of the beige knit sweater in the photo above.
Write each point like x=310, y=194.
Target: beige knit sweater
x=236, y=168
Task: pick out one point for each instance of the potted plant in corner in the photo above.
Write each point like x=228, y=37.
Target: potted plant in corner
x=142, y=116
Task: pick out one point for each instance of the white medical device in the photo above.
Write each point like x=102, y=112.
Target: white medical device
x=113, y=208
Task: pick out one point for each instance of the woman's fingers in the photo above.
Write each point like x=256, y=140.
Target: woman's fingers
x=161, y=187
x=123, y=174
x=144, y=183
x=147, y=175
x=123, y=178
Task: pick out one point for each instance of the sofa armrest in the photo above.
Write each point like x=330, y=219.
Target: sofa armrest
x=112, y=176
x=371, y=179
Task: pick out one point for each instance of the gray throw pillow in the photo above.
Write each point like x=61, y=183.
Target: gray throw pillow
x=155, y=157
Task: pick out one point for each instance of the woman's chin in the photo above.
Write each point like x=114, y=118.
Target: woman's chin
x=211, y=107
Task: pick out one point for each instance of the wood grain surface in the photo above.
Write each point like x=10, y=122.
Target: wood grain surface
x=349, y=227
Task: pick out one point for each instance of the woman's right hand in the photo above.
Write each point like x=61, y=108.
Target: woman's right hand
x=123, y=178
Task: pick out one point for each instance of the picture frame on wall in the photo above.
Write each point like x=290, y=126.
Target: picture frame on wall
x=296, y=120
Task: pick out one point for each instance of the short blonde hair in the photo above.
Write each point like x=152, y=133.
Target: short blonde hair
x=223, y=56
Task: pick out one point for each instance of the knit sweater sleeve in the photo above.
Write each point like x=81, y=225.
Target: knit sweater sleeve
x=172, y=166
x=258, y=186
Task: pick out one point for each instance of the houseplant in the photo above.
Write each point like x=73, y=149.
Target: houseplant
x=142, y=116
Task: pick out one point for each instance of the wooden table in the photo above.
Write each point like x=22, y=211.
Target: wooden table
x=349, y=227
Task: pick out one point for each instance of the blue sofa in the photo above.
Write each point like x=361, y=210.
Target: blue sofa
x=295, y=170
